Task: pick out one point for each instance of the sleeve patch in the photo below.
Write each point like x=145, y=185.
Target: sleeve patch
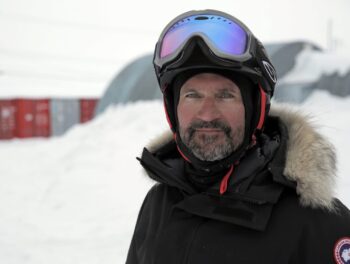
x=342, y=251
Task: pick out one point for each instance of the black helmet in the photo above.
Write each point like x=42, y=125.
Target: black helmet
x=211, y=40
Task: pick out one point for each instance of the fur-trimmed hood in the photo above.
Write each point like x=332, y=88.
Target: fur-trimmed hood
x=310, y=158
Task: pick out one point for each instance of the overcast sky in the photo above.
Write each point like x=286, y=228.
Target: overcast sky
x=92, y=39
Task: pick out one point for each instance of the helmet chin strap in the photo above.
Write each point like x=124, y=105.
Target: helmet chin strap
x=179, y=150
x=167, y=116
x=263, y=99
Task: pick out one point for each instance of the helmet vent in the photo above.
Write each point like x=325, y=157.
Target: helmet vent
x=201, y=18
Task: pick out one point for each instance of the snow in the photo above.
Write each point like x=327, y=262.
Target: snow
x=75, y=199
x=311, y=64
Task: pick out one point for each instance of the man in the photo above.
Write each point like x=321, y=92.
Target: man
x=237, y=183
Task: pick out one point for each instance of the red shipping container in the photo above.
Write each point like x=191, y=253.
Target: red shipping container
x=7, y=119
x=87, y=109
x=24, y=118
x=42, y=118
x=32, y=118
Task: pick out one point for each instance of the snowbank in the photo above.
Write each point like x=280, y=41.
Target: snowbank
x=75, y=199
x=311, y=64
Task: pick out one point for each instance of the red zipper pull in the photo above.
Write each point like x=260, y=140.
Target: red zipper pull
x=224, y=181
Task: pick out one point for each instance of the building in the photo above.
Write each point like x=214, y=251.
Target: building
x=302, y=67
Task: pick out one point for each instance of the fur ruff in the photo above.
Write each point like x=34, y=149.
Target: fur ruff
x=311, y=159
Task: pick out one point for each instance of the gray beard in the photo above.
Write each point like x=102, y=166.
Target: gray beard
x=208, y=147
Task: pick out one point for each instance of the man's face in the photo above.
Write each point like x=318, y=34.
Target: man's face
x=211, y=116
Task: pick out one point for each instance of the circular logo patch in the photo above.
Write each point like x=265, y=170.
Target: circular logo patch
x=342, y=251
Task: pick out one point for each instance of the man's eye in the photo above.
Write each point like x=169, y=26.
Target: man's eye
x=192, y=95
x=225, y=95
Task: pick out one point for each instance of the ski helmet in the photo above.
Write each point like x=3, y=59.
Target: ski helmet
x=212, y=41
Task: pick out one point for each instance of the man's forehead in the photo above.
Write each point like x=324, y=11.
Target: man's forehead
x=210, y=80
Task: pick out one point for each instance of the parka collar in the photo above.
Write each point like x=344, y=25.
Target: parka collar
x=310, y=160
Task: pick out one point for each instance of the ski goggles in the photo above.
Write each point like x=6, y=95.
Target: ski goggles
x=226, y=36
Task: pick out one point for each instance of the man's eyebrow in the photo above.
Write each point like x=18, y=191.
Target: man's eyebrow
x=228, y=89
x=186, y=89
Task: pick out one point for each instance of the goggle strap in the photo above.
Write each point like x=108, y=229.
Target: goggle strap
x=263, y=99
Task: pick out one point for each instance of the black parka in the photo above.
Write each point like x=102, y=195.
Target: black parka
x=268, y=214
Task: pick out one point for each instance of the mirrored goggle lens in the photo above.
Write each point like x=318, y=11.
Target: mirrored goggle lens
x=225, y=35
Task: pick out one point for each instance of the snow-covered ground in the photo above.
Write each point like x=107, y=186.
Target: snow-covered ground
x=75, y=199
x=312, y=64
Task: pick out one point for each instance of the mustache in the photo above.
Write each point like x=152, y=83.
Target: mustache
x=217, y=124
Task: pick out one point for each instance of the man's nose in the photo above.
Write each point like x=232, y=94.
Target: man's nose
x=208, y=110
